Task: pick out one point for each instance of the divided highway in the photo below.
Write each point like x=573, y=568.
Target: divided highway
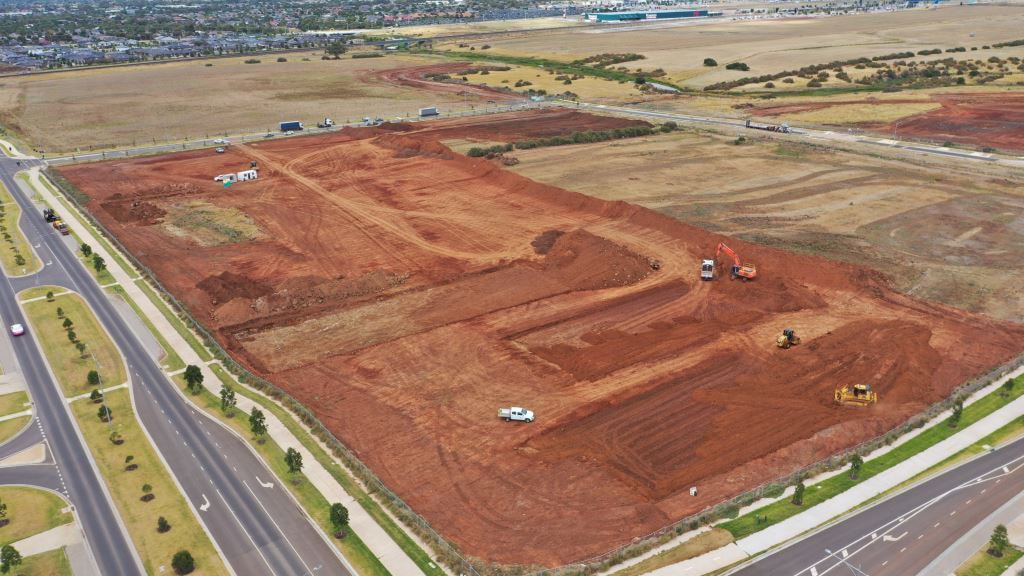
x=255, y=523
x=78, y=478
x=902, y=535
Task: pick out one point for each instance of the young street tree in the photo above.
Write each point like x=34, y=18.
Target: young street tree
x=183, y=563
x=855, y=465
x=294, y=460
x=60, y=312
x=81, y=348
x=96, y=396
x=194, y=379
x=9, y=558
x=958, y=412
x=798, y=494
x=3, y=513
x=93, y=378
x=162, y=525
x=257, y=423
x=339, y=518
x=72, y=336
x=999, y=541
x=67, y=323
x=99, y=263
x=227, y=399
x=86, y=250
x=104, y=413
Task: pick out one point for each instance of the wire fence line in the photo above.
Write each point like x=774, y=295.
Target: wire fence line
x=447, y=552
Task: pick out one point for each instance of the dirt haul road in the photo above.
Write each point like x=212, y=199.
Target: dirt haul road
x=404, y=293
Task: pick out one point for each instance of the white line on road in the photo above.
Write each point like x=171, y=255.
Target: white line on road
x=888, y=538
x=264, y=484
x=283, y=534
x=206, y=504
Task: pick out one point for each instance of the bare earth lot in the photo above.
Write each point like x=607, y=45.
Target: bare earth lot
x=405, y=293
x=940, y=232
x=102, y=108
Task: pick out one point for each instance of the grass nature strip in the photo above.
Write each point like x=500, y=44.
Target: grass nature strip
x=776, y=512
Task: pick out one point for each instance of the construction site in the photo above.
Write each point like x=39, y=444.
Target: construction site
x=406, y=293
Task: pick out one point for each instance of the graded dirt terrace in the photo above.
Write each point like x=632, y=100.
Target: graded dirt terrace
x=405, y=292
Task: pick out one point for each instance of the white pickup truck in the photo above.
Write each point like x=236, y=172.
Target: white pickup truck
x=516, y=413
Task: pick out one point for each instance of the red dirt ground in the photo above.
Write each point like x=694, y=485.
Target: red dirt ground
x=995, y=120
x=405, y=292
x=414, y=77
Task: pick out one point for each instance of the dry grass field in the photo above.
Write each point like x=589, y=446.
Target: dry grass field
x=774, y=45
x=946, y=235
x=103, y=108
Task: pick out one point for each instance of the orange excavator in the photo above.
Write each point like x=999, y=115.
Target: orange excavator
x=748, y=272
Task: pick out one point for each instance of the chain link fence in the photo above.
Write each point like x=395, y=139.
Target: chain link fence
x=448, y=553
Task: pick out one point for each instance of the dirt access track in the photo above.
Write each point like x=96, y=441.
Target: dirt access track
x=405, y=292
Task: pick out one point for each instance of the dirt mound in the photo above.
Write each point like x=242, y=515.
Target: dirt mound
x=587, y=262
x=135, y=211
x=543, y=242
x=228, y=285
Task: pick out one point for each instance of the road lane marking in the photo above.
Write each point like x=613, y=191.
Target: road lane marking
x=282, y=532
x=968, y=502
x=814, y=571
x=953, y=513
x=888, y=538
x=1006, y=469
x=206, y=504
x=902, y=549
x=936, y=524
x=264, y=484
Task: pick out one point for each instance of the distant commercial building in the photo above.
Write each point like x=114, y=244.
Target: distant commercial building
x=654, y=15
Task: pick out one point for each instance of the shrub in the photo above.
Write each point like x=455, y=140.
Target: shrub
x=710, y=62
x=814, y=84
x=252, y=61
x=773, y=491
x=737, y=66
x=282, y=59
x=787, y=81
x=476, y=152
x=183, y=563
x=769, y=85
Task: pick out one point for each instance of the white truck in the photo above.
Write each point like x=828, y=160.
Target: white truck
x=516, y=413
x=707, y=269
x=327, y=123
x=428, y=112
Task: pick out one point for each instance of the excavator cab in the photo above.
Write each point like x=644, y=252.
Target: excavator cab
x=856, y=395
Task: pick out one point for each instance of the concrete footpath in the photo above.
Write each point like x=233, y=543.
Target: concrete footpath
x=840, y=504
x=376, y=539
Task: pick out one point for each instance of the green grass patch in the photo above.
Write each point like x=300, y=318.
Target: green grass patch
x=178, y=324
x=140, y=517
x=778, y=511
x=372, y=507
x=13, y=244
x=39, y=292
x=548, y=64
x=10, y=428
x=13, y=402
x=171, y=361
x=30, y=511
x=71, y=367
x=311, y=500
x=51, y=563
x=706, y=542
x=984, y=564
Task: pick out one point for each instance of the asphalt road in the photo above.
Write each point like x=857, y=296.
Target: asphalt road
x=78, y=479
x=255, y=523
x=902, y=535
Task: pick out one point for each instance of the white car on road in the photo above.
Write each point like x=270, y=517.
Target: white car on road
x=17, y=329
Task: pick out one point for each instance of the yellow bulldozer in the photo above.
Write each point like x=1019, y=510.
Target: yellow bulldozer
x=856, y=395
x=787, y=338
